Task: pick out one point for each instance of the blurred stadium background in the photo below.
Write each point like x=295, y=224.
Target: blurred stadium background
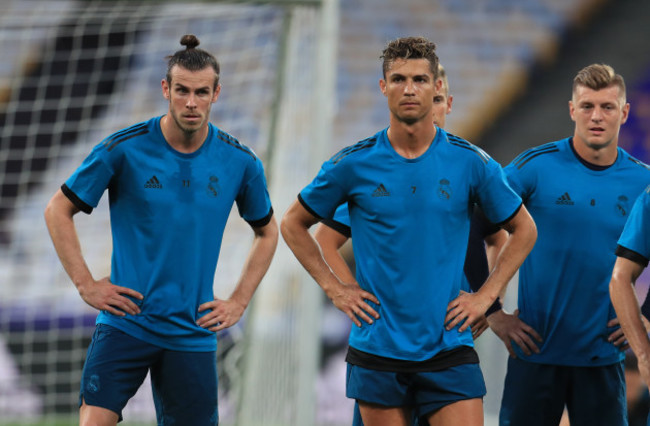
x=299, y=83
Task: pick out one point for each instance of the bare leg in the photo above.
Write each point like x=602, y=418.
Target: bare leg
x=90, y=415
x=468, y=412
x=378, y=415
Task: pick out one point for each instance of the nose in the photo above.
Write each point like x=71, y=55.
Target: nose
x=597, y=114
x=409, y=87
x=191, y=101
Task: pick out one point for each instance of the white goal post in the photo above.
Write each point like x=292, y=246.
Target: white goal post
x=76, y=71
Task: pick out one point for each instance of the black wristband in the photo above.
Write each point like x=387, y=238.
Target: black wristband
x=496, y=306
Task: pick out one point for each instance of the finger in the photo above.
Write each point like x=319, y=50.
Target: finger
x=616, y=335
x=130, y=292
x=465, y=324
x=620, y=341
x=125, y=305
x=367, y=308
x=354, y=318
x=362, y=314
x=113, y=306
x=370, y=297
x=457, y=320
x=531, y=331
x=453, y=304
x=613, y=322
x=477, y=333
x=208, y=305
x=510, y=350
x=452, y=313
x=527, y=344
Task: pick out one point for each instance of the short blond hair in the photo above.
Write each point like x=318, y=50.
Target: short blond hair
x=600, y=76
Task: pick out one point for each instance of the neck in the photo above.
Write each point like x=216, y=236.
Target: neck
x=180, y=140
x=601, y=156
x=411, y=140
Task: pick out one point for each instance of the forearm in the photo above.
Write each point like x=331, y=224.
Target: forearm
x=330, y=242
x=60, y=224
x=257, y=263
x=627, y=310
x=306, y=249
x=513, y=252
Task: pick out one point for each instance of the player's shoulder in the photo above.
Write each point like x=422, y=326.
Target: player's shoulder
x=228, y=141
x=538, y=154
x=127, y=137
x=633, y=162
x=456, y=142
x=355, y=151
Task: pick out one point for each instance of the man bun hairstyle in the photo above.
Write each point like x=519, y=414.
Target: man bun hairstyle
x=410, y=48
x=192, y=59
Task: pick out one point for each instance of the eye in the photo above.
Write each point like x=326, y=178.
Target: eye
x=438, y=99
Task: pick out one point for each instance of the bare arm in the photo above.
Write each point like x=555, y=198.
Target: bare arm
x=350, y=299
x=226, y=313
x=101, y=294
x=508, y=327
x=330, y=241
x=493, y=245
x=626, y=305
x=468, y=306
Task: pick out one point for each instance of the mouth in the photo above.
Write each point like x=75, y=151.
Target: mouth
x=192, y=117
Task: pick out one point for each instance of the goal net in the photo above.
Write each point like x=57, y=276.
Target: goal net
x=74, y=72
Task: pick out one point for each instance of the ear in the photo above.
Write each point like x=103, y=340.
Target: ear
x=438, y=84
x=165, y=88
x=626, y=113
x=572, y=111
x=217, y=90
x=450, y=101
x=382, y=86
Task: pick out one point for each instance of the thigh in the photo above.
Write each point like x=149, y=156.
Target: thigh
x=598, y=396
x=115, y=367
x=468, y=412
x=185, y=388
x=533, y=394
x=379, y=415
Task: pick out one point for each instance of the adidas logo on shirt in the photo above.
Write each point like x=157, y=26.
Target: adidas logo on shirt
x=153, y=183
x=565, y=199
x=380, y=191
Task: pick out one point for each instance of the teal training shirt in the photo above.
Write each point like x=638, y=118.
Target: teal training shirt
x=580, y=211
x=410, y=222
x=168, y=212
x=634, y=243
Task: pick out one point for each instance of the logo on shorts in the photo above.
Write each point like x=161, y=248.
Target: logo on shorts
x=93, y=384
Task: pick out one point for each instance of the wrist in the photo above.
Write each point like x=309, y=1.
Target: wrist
x=496, y=306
